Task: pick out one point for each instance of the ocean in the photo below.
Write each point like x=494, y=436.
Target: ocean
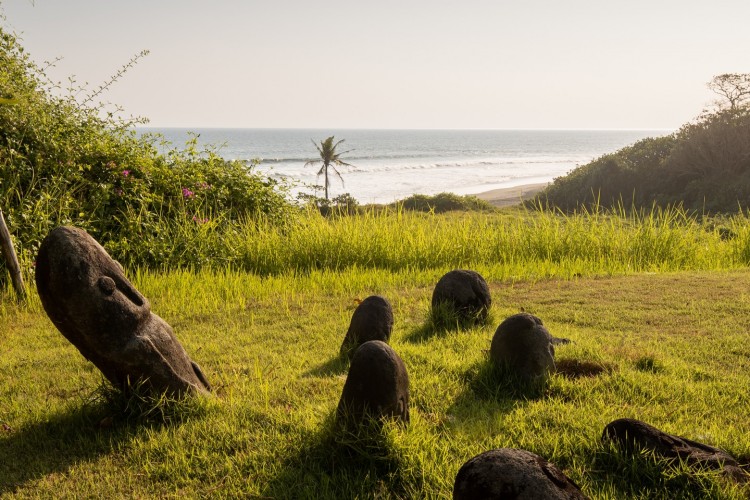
x=393, y=164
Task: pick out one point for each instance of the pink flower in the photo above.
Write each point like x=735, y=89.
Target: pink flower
x=125, y=173
x=186, y=193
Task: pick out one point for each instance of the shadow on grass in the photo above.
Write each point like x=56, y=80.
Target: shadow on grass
x=489, y=389
x=643, y=474
x=444, y=320
x=335, y=463
x=490, y=382
x=81, y=432
x=334, y=366
x=571, y=368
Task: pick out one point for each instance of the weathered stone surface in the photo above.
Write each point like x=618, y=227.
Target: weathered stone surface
x=522, y=344
x=465, y=292
x=631, y=434
x=88, y=298
x=377, y=385
x=371, y=320
x=512, y=474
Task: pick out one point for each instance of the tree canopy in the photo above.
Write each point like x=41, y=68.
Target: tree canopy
x=704, y=166
x=329, y=158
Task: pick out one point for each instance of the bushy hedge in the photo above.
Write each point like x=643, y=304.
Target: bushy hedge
x=442, y=202
x=704, y=167
x=62, y=162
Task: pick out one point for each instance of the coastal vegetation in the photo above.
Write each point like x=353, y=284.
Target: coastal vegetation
x=260, y=293
x=64, y=160
x=704, y=167
x=330, y=158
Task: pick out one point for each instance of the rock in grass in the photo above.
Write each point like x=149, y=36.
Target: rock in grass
x=524, y=346
x=465, y=294
x=88, y=298
x=376, y=387
x=372, y=320
x=631, y=435
x=512, y=474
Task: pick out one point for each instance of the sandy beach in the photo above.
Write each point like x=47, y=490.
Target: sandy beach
x=506, y=197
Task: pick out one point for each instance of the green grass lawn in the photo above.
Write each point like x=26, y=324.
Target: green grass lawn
x=676, y=347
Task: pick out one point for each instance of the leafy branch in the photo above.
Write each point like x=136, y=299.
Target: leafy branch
x=124, y=69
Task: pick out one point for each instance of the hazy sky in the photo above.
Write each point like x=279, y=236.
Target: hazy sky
x=530, y=64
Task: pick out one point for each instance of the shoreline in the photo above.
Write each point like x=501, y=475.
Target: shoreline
x=506, y=197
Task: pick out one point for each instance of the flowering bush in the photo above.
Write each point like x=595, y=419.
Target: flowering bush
x=64, y=162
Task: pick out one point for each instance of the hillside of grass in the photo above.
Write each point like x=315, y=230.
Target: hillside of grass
x=674, y=347
x=704, y=168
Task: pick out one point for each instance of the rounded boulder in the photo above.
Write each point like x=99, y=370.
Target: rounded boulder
x=523, y=345
x=465, y=293
x=508, y=473
x=376, y=387
x=371, y=320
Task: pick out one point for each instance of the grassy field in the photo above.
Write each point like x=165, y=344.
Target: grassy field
x=660, y=301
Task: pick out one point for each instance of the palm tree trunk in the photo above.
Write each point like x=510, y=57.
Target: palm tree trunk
x=326, y=181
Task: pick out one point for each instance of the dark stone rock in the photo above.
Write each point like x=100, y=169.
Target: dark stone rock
x=88, y=298
x=523, y=345
x=377, y=386
x=630, y=435
x=512, y=474
x=372, y=320
x=465, y=293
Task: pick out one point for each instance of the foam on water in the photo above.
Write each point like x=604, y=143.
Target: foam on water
x=394, y=164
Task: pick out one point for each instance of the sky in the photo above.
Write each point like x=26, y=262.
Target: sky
x=424, y=64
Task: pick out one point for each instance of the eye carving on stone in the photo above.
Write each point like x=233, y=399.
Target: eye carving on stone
x=106, y=285
x=91, y=302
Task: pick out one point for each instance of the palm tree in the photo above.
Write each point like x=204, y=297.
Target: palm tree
x=329, y=157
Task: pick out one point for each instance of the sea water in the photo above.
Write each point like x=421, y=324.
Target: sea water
x=393, y=164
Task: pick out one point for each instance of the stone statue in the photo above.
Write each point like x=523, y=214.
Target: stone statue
x=88, y=298
x=372, y=320
x=632, y=435
x=513, y=473
x=377, y=386
x=522, y=344
x=465, y=293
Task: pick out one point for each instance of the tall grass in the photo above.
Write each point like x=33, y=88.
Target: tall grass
x=517, y=243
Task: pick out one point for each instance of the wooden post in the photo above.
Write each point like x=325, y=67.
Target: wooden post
x=11, y=261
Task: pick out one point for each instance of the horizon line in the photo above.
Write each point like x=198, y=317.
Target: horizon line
x=629, y=129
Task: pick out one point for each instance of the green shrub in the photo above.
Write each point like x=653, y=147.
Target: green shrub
x=442, y=202
x=66, y=162
x=704, y=167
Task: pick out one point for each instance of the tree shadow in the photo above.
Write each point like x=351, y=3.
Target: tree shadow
x=334, y=366
x=79, y=433
x=334, y=462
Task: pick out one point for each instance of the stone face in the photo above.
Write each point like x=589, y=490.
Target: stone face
x=512, y=474
x=371, y=320
x=465, y=292
x=524, y=345
x=88, y=298
x=377, y=386
x=631, y=434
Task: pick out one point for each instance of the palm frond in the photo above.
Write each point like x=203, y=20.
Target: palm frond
x=337, y=174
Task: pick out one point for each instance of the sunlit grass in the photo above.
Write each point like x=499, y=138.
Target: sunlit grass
x=674, y=344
